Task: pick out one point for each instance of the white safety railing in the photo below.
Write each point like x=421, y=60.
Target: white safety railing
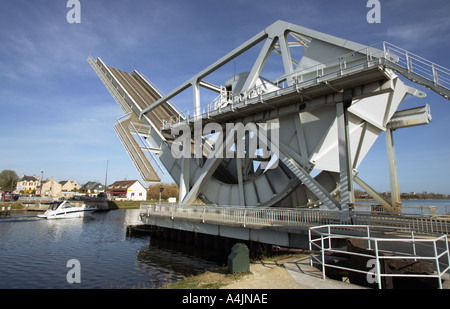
x=110, y=84
x=228, y=101
x=160, y=93
x=294, y=217
x=136, y=154
x=327, y=239
x=144, y=145
x=354, y=61
x=407, y=209
x=428, y=224
x=243, y=215
x=436, y=73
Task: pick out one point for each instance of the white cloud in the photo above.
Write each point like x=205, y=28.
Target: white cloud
x=420, y=33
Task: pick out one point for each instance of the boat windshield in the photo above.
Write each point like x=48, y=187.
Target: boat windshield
x=55, y=205
x=68, y=205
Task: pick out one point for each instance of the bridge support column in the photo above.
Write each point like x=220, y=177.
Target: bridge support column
x=345, y=159
x=393, y=175
x=184, y=179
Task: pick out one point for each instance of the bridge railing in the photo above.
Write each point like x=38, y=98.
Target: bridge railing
x=243, y=215
x=427, y=224
x=377, y=247
x=349, y=63
x=288, y=217
x=354, y=61
x=434, y=72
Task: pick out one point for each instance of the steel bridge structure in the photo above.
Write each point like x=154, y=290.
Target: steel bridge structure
x=320, y=117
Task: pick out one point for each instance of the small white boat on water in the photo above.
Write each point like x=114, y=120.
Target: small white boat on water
x=63, y=209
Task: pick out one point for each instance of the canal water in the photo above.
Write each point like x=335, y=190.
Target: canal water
x=34, y=254
x=415, y=206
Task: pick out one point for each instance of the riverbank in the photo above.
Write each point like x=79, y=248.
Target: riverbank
x=14, y=205
x=17, y=205
x=268, y=273
x=126, y=204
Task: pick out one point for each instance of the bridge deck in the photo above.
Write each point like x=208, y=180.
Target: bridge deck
x=277, y=226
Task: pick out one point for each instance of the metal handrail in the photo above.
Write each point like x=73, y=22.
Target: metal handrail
x=379, y=53
x=306, y=77
x=160, y=93
x=320, y=239
x=408, y=209
x=244, y=215
x=107, y=80
x=140, y=162
x=428, y=224
x=419, y=65
x=144, y=143
x=295, y=217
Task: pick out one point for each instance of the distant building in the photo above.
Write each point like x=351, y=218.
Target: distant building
x=92, y=188
x=128, y=189
x=28, y=184
x=69, y=185
x=51, y=188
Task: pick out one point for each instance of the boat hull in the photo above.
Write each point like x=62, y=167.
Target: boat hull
x=68, y=214
x=64, y=210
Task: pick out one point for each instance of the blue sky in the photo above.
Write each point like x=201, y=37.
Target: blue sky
x=56, y=116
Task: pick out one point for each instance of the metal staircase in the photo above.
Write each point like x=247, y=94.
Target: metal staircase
x=135, y=152
x=417, y=69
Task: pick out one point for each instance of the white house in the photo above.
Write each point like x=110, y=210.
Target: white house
x=28, y=184
x=131, y=190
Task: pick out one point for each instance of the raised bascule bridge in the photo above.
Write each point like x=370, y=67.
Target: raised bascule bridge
x=271, y=158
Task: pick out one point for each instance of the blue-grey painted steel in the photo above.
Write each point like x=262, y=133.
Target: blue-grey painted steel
x=328, y=109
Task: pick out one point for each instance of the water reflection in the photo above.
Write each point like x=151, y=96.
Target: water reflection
x=34, y=253
x=171, y=261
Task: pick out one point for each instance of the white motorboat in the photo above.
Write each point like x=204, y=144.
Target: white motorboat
x=64, y=209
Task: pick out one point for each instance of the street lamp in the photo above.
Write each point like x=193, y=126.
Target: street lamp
x=42, y=178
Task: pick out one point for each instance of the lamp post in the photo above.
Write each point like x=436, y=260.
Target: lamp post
x=42, y=178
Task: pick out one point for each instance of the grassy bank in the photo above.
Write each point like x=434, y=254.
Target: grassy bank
x=123, y=204
x=14, y=205
x=220, y=277
x=128, y=204
x=111, y=204
x=137, y=204
x=213, y=279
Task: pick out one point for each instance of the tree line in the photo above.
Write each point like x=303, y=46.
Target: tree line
x=168, y=190
x=8, y=180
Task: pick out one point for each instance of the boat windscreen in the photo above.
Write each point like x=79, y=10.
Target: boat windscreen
x=68, y=205
x=55, y=205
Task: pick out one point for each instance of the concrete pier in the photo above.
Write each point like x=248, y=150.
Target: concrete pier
x=218, y=243
x=283, y=236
